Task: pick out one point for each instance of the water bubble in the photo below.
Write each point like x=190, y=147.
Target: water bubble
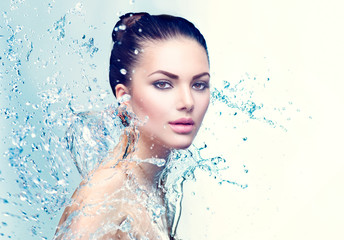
x=122, y=27
x=46, y=147
x=123, y=71
x=23, y=197
x=78, y=6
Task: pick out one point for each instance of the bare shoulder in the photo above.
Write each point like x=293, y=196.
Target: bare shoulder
x=96, y=202
x=107, y=205
x=101, y=182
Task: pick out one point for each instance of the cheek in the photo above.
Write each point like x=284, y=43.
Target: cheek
x=153, y=107
x=203, y=105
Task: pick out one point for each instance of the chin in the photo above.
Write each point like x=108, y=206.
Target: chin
x=179, y=145
x=175, y=142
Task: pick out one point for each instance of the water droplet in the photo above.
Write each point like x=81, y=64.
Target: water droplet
x=123, y=71
x=34, y=147
x=78, y=7
x=122, y=27
x=46, y=147
x=19, y=28
x=23, y=197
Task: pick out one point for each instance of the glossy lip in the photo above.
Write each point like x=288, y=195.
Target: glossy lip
x=182, y=125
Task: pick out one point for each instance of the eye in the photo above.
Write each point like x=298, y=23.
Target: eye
x=162, y=85
x=200, y=86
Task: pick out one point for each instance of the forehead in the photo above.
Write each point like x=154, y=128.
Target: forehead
x=178, y=55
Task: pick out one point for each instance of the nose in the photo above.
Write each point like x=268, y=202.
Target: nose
x=186, y=100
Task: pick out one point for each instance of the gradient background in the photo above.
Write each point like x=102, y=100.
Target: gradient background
x=295, y=178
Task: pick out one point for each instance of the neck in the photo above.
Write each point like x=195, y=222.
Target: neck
x=147, y=148
x=146, y=151
x=148, y=173
x=142, y=155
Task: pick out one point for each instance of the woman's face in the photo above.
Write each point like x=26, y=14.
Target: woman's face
x=170, y=86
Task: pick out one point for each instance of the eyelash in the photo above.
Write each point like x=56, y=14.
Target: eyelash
x=156, y=84
x=204, y=85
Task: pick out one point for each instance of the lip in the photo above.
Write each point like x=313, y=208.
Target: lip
x=182, y=125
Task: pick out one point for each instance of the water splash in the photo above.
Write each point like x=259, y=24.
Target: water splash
x=59, y=27
x=15, y=4
x=91, y=135
x=51, y=129
x=90, y=48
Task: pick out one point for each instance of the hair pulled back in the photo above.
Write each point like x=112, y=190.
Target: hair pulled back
x=133, y=29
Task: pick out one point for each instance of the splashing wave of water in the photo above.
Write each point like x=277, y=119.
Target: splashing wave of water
x=50, y=132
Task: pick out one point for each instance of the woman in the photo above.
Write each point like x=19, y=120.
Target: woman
x=159, y=71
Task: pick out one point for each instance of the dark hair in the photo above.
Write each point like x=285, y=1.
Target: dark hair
x=133, y=29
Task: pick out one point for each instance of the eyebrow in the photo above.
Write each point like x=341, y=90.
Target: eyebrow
x=173, y=76
x=200, y=75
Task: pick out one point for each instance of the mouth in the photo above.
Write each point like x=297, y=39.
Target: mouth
x=182, y=125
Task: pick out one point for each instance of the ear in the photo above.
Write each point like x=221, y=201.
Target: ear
x=121, y=89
